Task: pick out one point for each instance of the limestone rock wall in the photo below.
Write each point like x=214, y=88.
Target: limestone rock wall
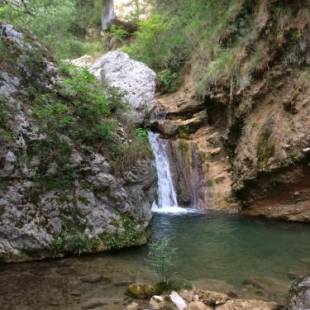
x=41, y=214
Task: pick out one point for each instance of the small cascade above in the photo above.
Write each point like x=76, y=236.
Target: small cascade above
x=167, y=198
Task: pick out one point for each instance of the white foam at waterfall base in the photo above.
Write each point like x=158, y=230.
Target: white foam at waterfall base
x=173, y=210
x=167, y=198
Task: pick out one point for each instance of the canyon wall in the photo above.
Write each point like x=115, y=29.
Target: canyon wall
x=252, y=128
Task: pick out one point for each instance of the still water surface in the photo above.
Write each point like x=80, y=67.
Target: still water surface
x=252, y=257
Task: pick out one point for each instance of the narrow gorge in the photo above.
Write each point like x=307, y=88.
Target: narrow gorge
x=155, y=155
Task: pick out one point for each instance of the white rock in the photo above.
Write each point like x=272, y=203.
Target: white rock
x=178, y=301
x=133, y=79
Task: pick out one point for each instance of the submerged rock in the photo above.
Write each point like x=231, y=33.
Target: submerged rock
x=141, y=291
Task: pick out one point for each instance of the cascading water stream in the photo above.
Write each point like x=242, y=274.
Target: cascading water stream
x=167, y=197
x=108, y=14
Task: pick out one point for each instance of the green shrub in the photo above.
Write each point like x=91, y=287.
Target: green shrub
x=60, y=24
x=79, y=110
x=58, y=245
x=153, y=47
x=182, y=29
x=128, y=154
x=169, y=80
x=118, y=33
x=162, y=259
x=76, y=243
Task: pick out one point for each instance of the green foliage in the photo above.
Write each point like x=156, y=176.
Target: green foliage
x=184, y=28
x=129, y=153
x=162, y=258
x=75, y=242
x=6, y=134
x=58, y=245
x=60, y=24
x=79, y=110
x=153, y=47
x=169, y=80
x=118, y=33
x=127, y=234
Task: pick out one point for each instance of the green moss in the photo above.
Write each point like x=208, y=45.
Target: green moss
x=265, y=146
x=126, y=236
x=74, y=242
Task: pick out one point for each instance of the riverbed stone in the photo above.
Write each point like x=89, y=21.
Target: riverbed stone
x=141, y=290
x=212, y=298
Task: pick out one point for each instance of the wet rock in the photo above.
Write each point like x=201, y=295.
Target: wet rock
x=300, y=295
x=141, y=291
x=265, y=287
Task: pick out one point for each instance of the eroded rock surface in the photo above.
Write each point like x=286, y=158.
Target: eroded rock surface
x=50, y=206
x=259, y=125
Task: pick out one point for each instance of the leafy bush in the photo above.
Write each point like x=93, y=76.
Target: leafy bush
x=181, y=29
x=162, y=258
x=153, y=47
x=118, y=33
x=137, y=148
x=79, y=110
x=60, y=24
x=168, y=80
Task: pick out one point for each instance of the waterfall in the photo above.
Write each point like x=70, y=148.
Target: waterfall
x=167, y=197
x=108, y=14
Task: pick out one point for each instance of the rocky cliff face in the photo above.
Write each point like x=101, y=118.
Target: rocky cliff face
x=58, y=196
x=255, y=126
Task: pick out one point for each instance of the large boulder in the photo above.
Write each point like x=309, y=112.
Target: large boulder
x=53, y=203
x=300, y=295
x=133, y=79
